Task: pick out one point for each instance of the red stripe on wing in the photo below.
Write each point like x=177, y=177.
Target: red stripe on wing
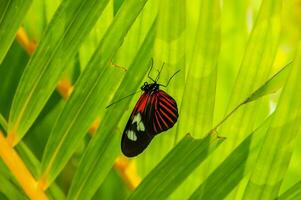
x=168, y=109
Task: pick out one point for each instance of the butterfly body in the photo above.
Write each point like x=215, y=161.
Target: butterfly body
x=155, y=112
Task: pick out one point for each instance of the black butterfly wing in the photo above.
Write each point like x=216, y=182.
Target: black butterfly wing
x=165, y=114
x=136, y=135
x=154, y=113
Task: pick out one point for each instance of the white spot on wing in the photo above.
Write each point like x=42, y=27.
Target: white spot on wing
x=131, y=135
x=138, y=120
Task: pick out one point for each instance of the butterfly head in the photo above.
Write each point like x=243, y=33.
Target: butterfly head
x=150, y=87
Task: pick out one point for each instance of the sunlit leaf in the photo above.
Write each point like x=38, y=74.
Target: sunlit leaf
x=292, y=193
x=175, y=167
x=103, y=149
x=91, y=93
x=275, y=154
x=11, y=16
x=57, y=47
x=232, y=170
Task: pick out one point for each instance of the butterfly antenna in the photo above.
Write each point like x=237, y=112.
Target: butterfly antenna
x=158, y=76
x=170, y=79
x=122, y=98
x=148, y=75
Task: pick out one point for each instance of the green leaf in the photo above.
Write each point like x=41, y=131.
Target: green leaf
x=232, y=170
x=263, y=40
x=112, y=182
x=175, y=167
x=44, y=124
x=275, y=154
x=271, y=85
x=103, y=149
x=255, y=69
x=70, y=25
x=34, y=167
x=10, y=190
x=91, y=42
x=197, y=110
x=292, y=193
x=11, y=16
x=3, y=122
x=168, y=49
x=197, y=107
x=91, y=94
x=11, y=70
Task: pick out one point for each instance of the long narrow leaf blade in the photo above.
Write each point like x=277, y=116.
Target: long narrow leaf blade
x=68, y=28
x=272, y=85
x=255, y=69
x=103, y=149
x=232, y=170
x=278, y=145
x=11, y=15
x=90, y=94
x=10, y=190
x=175, y=167
x=292, y=193
x=197, y=110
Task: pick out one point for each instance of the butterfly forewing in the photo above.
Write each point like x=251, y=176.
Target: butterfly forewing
x=136, y=135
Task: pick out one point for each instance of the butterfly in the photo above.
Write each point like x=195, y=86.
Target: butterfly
x=154, y=113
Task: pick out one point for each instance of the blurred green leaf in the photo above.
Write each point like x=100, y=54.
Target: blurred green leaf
x=197, y=107
x=103, y=149
x=255, y=69
x=39, y=132
x=168, y=49
x=71, y=23
x=11, y=16
x=292, y=193
x=175, y=167
x=11, y=70
x=271, y=85
x=91, y=93
x=3, y=122
x=232, y=170
x=274, y=156
x=117, y=5
x=113, y=182
x=197, y=110
x=34, y=166
x=10, y=190
x=93, y=39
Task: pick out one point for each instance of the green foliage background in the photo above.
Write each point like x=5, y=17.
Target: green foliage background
x=239, y=100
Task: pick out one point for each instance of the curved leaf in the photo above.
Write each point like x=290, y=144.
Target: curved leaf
x=274, y=156
x=292, y=193
x=91, y=93
x=175, y=167
x=232, y=170
x=71, y=23
x=103, y=149
x=11, y=16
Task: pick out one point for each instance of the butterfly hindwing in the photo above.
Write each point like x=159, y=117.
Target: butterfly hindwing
x=165, y=114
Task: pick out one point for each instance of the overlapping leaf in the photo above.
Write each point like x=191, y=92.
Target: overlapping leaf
x=103, y=149
x=175, y=167
x=274, y=156
x=11, y=16
x=91, y=93
x=57, y=47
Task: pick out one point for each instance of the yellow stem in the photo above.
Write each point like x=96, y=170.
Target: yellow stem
x=93, y=128
x=65, y=88
x=20, y=171
x=24, y=41
x=128, y=172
